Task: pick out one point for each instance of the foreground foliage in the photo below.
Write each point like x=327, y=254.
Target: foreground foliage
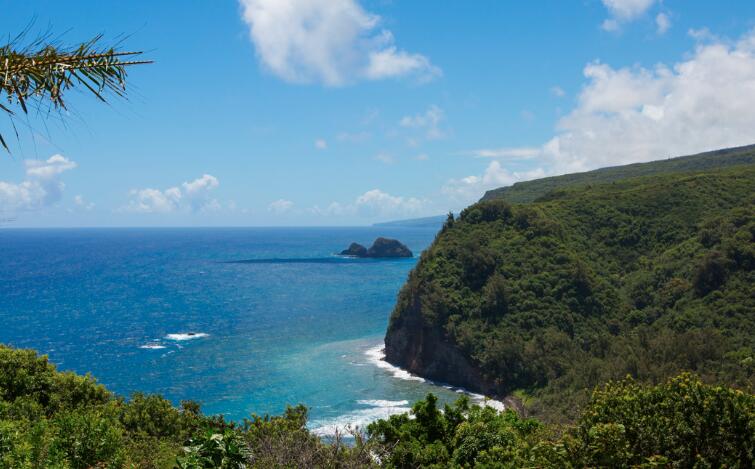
x=62, y=420
x=681, y=423
x=52, y=419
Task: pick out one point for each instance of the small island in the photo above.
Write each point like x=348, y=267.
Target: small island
x=381, y=248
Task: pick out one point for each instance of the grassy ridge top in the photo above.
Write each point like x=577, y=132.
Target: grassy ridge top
x=645, y=276
x=529, y=191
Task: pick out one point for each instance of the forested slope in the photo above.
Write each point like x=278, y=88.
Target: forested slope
x=529, y=191
x=644, y=276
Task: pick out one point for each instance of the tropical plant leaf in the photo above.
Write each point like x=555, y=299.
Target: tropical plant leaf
x=42, y=73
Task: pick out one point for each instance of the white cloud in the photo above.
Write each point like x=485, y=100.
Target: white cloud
x=520, y=153
x=50, y=168
x=41, y=187
x=422, y=157
x=610, y=25
x=471, y=188
x=623, y=11
x=558, y=92
x=627, y=10
x=703, y=35
x=154, y=200
x=82, y=203
x=321, y=144
x=334, y=209
x=428, y=122
x=374, y=204
x=355, y=137
x=192, y=196
x=379, y=203
x=662, y=23
x=635, y=114
x=330, y=41
x=391, y=62
x=385, y=158
x=200, y=185
x=280, y=206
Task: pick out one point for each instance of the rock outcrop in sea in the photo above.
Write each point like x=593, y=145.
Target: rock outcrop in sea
x=381, y=248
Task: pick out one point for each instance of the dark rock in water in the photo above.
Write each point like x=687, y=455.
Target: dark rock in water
x=384, y=247
x=381, y=248
x=356, y=250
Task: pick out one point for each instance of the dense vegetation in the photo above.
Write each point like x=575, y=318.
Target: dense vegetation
x=529, y=191
x=50, y=419
x=681, y=423
x=645, y=277
x=62, y=420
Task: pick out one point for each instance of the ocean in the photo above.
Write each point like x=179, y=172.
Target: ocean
x=242, y=320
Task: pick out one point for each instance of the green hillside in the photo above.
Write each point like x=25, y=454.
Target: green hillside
x=645, y=276
x=529, y=191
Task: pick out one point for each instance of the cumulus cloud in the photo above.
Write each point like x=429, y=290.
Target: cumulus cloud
x=280, y=206
x=333, y=209
x=634, y=114
x=662, y=23
x=378, y=203
x=82, y=203
x=427, y=122
x=192, y=196
x=329, y=41
x=623, y=11
x=41, y=187
x=558, y=92
x=518, y=153
x=374, y=204
x=469, y=189
x=385, y=158
x=321, y=144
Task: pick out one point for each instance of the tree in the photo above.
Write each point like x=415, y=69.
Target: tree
x=40, y=74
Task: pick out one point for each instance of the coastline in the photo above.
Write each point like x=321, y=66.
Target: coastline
x=373, y=408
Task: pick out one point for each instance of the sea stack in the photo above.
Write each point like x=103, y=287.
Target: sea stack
x=355, y=250
x=380, y=249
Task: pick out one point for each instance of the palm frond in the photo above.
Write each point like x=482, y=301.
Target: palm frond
x=41, y=74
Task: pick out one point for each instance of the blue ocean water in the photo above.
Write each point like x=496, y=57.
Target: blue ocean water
x=242, y=320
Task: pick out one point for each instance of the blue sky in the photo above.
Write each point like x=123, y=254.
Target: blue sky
x=347, y=112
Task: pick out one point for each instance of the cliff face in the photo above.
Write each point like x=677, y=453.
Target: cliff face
x=424, y=350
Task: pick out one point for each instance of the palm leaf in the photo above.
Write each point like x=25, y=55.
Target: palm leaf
x=42, y=74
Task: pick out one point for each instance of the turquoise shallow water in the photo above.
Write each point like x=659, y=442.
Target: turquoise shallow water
x=172, y=311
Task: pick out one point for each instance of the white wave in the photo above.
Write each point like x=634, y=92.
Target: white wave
x=376, y=356
x=382, y=403
x=152, y=346
x=180, y=336
x=358, y=419
x=497, y=405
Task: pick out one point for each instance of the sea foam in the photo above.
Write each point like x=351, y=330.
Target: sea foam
x=152, y=346
x=376, y=356
x=358, y=419
x=180, y=336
